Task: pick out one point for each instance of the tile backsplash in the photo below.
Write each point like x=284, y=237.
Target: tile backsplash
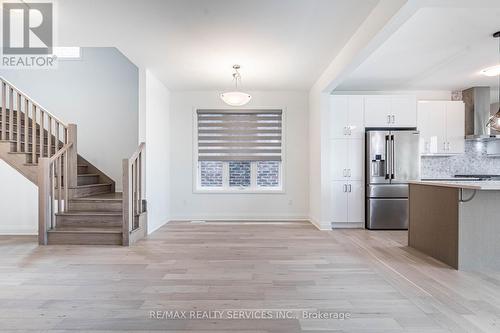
x=474, y=161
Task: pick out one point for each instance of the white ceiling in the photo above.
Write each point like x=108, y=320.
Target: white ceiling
x=436, y=49
x=192, y=44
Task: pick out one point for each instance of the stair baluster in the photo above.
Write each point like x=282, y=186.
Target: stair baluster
x=4, y=112
x=53, y=186
x=134, y=226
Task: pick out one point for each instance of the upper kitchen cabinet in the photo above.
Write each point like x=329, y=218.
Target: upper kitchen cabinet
x=455, y=127
x=390, y=111
x=346, y=117
x=442, y=127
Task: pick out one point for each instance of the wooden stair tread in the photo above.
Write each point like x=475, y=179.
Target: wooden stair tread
x=88, y=175
x=115, y=196
x=89, y=213
x=87, y=230
x=94, y=185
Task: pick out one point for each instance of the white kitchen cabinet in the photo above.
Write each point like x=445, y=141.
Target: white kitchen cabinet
x=455, y=127
x=442, y=127
x=347, y=202
x=338, y=202
x=346, y=116
x=404, y=111
x=356, y=156
x=390, y=111
x=356, y=202
x=339, y=161
x=431, y=124
x=346, y=159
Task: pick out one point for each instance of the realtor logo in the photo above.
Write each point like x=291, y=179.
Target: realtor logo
x=27, y=28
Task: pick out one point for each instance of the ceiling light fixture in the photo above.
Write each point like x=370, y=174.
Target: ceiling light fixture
x=494, y=121
x=236, y=97
x=491, y=71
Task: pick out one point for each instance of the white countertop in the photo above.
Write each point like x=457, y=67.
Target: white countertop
x=484, y=185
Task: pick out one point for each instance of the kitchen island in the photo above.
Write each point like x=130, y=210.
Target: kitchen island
x=456, y=222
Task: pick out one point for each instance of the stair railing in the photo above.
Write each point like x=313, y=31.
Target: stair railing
x=48, y=142
x=40, y=129
x=53, y=189
x=134, y=226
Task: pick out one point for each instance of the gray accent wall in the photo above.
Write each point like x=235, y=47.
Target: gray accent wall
x=474, y=161
x=99, y=93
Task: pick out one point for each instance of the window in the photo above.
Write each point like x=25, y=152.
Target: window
x=239, y=150
x=67, y=53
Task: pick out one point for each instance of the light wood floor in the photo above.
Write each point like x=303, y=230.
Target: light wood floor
x=384, y=285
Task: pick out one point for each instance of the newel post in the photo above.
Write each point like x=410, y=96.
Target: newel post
x=44, y=215
x=127, y=203
x=72, y=157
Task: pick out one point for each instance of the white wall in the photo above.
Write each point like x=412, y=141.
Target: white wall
x=99, y=93
x=18, y=203
x=318, y=187
x=293, y=204
x=157, y=119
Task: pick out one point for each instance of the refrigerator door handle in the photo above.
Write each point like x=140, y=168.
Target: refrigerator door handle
x=393, y=160
x=387, y=159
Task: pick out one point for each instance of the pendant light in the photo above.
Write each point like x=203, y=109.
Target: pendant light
x=494, y=121
x=236, y=97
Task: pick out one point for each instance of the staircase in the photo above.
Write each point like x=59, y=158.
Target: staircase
x=78, y=203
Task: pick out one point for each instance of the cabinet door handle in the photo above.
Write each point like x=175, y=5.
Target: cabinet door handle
x=348, y=172
x=349, y=132
x=388, y=119
x=350, y=188
x=345, y=187
x=448, y=146
x=393, y=119
x=444, y=145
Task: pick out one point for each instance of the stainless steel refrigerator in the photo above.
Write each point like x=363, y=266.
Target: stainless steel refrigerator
x=392, y=159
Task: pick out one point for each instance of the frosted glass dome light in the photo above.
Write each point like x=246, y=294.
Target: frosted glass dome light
x=236, y=98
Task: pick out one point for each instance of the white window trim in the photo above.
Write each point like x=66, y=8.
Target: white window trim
x=59, y=52
x=225, y=189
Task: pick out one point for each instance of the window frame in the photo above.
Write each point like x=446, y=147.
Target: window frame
x=65, y=57
x=226, y=189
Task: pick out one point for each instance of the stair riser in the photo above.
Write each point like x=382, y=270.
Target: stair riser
x=83, y=169
x=88, y=180
x=88, y=221
x=98, y=206
x=69, y=238
x=13, y=147
x=30, y=141
x=45, y=150
x=85, y=192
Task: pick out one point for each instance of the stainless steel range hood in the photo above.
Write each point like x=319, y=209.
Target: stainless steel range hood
x=477, y=112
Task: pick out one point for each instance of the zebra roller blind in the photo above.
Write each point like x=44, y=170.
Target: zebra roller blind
x=239, y=135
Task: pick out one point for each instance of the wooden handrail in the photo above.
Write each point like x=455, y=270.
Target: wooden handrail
x=39, y=106
x=133, y=186
x=137, y=152
x=31, y=99
x=64, y=149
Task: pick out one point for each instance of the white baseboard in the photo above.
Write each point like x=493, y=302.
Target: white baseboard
x=18, y=232
x=241, y=218
x=320, y=226
x=249, y=220
x=151, y=230
x=348, y=225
